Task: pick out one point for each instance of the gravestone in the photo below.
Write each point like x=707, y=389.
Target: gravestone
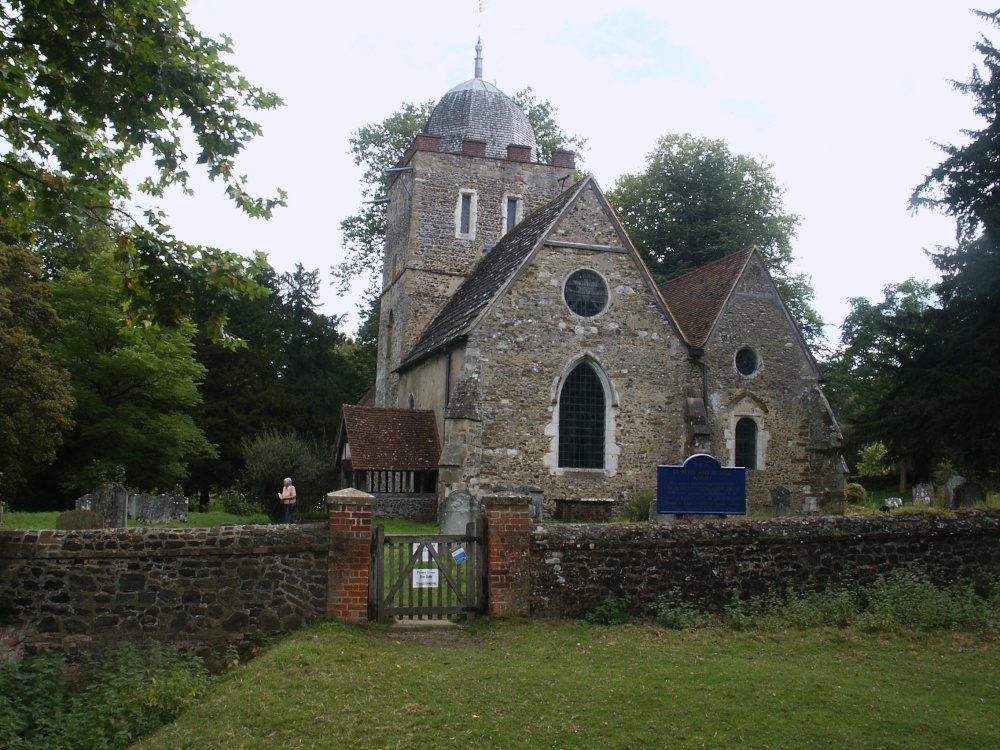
x=781, y=502
x=79, y=519
x=923, y=494
x=111, y=501
x=702, y=486
x=968, y=495
x=457, y=511
x=157, y=508
x=950, y=486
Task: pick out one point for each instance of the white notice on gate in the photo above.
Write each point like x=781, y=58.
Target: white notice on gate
x=425, y=578
x=423, y=549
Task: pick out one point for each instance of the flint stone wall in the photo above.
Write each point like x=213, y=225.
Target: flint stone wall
x=198, y=588
x=419, y=507
x=575, y=566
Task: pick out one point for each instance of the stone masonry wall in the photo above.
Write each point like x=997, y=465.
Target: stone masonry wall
x=425, y=261
x=797, y=439
x=77, y=590
x=575, y=566
x=524, y=349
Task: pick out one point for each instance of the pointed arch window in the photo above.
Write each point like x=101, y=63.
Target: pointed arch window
x=582, y=415
x=746, y=443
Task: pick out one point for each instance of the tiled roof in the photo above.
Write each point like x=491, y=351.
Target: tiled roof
x=477, y=110
x=696, y=299
x=492, y=273
x=392, y=439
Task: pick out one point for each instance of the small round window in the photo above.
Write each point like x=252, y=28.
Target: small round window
x=586, y=293
x=746, y=361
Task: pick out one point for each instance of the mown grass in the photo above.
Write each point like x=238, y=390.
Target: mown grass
x=568, y=684
x=16, y=520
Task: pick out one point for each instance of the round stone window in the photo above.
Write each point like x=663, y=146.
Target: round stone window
x=586, y=293
x=746, y=361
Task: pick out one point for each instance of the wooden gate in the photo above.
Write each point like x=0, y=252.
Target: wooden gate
x=427, y=577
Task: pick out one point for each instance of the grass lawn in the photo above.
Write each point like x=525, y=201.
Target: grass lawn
x=567, y=684
x=14, y=520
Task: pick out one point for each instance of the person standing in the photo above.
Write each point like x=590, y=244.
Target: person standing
x=287, y=497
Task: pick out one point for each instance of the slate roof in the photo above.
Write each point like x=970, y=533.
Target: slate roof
x=477, y=110
x=392, y=439
x=463, y=309
x=696, y=299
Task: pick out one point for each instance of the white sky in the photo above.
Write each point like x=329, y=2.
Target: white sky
x=845, y=100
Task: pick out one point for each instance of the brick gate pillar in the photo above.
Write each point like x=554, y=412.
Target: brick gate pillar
x=350, y=555
x=508, y=530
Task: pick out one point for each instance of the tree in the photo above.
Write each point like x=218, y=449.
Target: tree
x=377, y=147
x=36, y=403
x=697, y=202
x=85, y=89
x=869, y=378
x=548, y=134
x=380, y=146
x=960, y=354
x=135, y=389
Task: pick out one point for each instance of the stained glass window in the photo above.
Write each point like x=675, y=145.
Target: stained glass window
x=586, y=293
x=581, y=420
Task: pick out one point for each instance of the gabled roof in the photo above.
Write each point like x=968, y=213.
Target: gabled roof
x=392, y=439
x=490, y=276
x=697, y=299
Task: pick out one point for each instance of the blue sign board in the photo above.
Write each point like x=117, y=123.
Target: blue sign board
x=701, y=486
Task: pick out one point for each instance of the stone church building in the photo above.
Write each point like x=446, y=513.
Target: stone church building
x=520, y=323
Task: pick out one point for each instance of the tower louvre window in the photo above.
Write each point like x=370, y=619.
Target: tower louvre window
x=465, y=215
x=513, y=208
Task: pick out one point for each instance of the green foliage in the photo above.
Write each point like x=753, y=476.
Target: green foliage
x=908, y=599
x=549, y=136
x=135, y=389
x=236, y=502
x=377, y=147
x=636, y=506
x=855, y=494
x=294, y=374
x=85, y=90
x=676, y=614
x=874, y=368
x=273, y=455
x=611, y=611
x=697, y=202
x=874, y=460
x=123, y=699
x=903, y=600
x=36, y=402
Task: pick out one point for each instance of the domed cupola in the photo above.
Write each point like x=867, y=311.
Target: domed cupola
x=479, y=111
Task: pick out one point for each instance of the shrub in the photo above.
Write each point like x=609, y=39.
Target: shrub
x=874, y=461
x=855, y=494
x=679, y=615
x=235, y=501
x=123, y=699
x=611, y=611
x=636, y=506
x=272, y=456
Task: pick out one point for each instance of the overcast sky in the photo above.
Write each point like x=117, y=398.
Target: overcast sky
x=846, y=100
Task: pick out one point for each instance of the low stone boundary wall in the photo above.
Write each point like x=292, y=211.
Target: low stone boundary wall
x=79, y=590
x=575, y=566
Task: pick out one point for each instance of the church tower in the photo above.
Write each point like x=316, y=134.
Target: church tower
x=470, y=177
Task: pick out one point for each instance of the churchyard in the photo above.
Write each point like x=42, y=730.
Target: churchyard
x=573, y=684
